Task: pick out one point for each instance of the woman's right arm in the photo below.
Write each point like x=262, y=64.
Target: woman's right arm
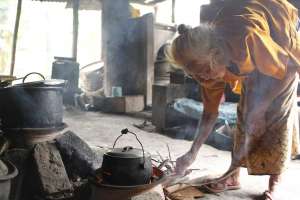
x=204, y=128
x=212, y=93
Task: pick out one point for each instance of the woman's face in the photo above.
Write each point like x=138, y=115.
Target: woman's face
x=205, y=70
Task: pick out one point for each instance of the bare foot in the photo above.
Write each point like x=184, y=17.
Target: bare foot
x=231, y=182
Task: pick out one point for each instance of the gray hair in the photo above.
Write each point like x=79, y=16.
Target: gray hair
x=199, y=43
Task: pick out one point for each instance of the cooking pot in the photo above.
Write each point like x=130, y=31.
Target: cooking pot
x=32, y=104
x=126, y=166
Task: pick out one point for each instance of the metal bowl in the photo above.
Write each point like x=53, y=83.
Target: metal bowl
x=117, y=192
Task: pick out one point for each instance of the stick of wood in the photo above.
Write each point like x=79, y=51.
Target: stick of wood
x=176, y=187
x=170, y=158
x=162, y=159
x=161, y=165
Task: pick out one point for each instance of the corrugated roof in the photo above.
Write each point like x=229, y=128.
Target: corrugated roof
x=83, y=4
x=96, y=3
x=86, y=4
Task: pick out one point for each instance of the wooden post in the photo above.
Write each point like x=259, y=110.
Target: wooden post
x=75, y=28
x=15, y=38
x=173, y=10
x=148, y=50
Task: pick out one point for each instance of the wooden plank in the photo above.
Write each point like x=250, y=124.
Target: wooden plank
x=75, y=28
x=183, y=192
x=173, y=10
x=15, y=37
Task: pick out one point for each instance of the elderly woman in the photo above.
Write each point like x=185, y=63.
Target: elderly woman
x=252, y=45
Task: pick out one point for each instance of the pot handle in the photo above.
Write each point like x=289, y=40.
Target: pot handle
x=124, y=132
x=41, y=75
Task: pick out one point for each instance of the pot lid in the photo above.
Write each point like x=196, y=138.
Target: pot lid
x=43, y=83
x=3, y=169
x=127, y=152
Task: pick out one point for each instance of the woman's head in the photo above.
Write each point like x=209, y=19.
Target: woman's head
x=199, y=51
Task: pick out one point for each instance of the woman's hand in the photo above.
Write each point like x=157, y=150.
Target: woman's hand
x=183, y=162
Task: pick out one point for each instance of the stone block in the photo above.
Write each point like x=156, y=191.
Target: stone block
x=52, y=179
x=79, y=158
x=124, y=104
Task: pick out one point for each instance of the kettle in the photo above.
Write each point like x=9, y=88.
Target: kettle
x=126, y=166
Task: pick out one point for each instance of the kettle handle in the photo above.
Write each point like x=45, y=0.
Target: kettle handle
x=41, y=75
x=124, y=132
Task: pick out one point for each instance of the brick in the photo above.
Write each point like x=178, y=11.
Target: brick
x=51, y=174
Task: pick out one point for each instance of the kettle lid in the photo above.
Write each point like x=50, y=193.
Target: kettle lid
x=126, y=152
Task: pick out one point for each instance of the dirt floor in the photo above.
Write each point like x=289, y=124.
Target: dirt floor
x=100, y=129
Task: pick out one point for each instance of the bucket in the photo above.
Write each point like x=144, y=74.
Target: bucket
x=18, y=157
x=162, y=71
x=5, y=180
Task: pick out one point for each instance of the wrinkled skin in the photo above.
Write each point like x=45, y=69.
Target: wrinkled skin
x=203, y=130
x=200, y=70
x=183, y=162
x=203, y=70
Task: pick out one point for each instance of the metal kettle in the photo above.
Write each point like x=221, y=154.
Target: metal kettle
x=126, y=166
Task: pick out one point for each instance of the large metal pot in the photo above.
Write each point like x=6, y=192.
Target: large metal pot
x=126, y=166
x=32, y=105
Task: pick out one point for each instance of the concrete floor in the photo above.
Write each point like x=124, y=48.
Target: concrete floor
x=100, y=129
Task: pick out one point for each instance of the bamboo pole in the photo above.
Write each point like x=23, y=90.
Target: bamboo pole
x=173, y=10
x=75, y=28
x=15, y=37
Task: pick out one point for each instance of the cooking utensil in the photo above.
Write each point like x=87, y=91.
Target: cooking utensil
x=104, y=191
x=126, y=166
x=32, y=105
